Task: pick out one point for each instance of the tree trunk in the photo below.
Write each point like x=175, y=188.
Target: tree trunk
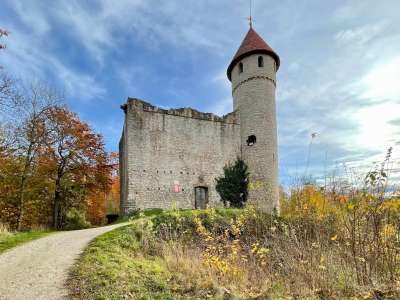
x=21, y=202
x=22, y=187
x=56, y=204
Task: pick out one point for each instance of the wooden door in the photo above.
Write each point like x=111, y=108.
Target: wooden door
x=201, y=197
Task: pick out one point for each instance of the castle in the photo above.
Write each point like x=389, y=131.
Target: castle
x=170, y=158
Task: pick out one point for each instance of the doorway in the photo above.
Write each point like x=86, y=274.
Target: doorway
x=200, y=197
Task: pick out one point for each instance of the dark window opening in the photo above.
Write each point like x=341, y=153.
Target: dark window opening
x=251, y=140
x=240, y=68
x=260, y=62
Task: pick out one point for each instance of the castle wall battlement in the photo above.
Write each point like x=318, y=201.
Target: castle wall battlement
x=166, y=154
x=185, y=112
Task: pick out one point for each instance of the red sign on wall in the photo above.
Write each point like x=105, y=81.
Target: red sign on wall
x=177, y=188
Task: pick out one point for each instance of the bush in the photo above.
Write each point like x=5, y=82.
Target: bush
x=233, y=186
x=75, y=219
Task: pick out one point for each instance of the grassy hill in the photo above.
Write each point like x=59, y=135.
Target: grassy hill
x=245, y=254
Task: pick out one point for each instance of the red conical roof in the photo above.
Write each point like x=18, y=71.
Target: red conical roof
x=252, y=44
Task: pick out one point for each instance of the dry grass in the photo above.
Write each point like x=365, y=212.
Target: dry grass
x=4, y=230
x=242, y=254
x=352, y=249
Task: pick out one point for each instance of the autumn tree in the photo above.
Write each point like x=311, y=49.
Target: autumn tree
x=30, y=134
x=79, y=161
x=51, y=163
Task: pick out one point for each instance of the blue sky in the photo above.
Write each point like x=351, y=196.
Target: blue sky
x=339, y=77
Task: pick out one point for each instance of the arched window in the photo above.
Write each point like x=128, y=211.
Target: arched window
x=260, y=62
x=240, y=68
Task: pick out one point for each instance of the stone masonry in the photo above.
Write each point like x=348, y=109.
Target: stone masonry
x=166, y=156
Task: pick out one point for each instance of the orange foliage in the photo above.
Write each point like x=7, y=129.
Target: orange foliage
x=78, y=154
x=96, y=209
x=69, y=169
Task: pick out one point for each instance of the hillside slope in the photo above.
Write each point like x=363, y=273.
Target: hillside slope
x=230, y=254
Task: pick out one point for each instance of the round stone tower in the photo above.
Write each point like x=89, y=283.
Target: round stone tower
x=252, y=73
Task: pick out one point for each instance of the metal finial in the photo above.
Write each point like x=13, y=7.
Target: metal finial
x=251, y=17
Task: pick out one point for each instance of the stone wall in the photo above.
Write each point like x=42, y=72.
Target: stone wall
x=165, y=154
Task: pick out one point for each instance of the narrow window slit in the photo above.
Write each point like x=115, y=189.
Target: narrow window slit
x=260, y=62
x=240, y=68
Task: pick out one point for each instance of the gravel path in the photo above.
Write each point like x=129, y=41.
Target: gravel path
x=39, y=269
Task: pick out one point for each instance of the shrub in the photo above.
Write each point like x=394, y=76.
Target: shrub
x=233, y=185
x=182, y=224
x=76, y=219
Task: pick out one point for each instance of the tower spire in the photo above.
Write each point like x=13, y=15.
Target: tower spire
x=250, y=18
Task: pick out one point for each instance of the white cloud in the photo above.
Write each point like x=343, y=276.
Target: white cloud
x=335, y=70
x=25, y=58
x=361, y=34
x=80, y=87
x=221, y=79
x=383, y=81
x=31, y=15
x=101, y=26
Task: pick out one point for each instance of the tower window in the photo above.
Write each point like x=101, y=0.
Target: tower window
x=260, y=62
x=251, y=140
x=240, y=68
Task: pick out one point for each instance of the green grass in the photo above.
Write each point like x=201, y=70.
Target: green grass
x=114, y=267
x=111, y=268
x=137, y=215
x=11, y=240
